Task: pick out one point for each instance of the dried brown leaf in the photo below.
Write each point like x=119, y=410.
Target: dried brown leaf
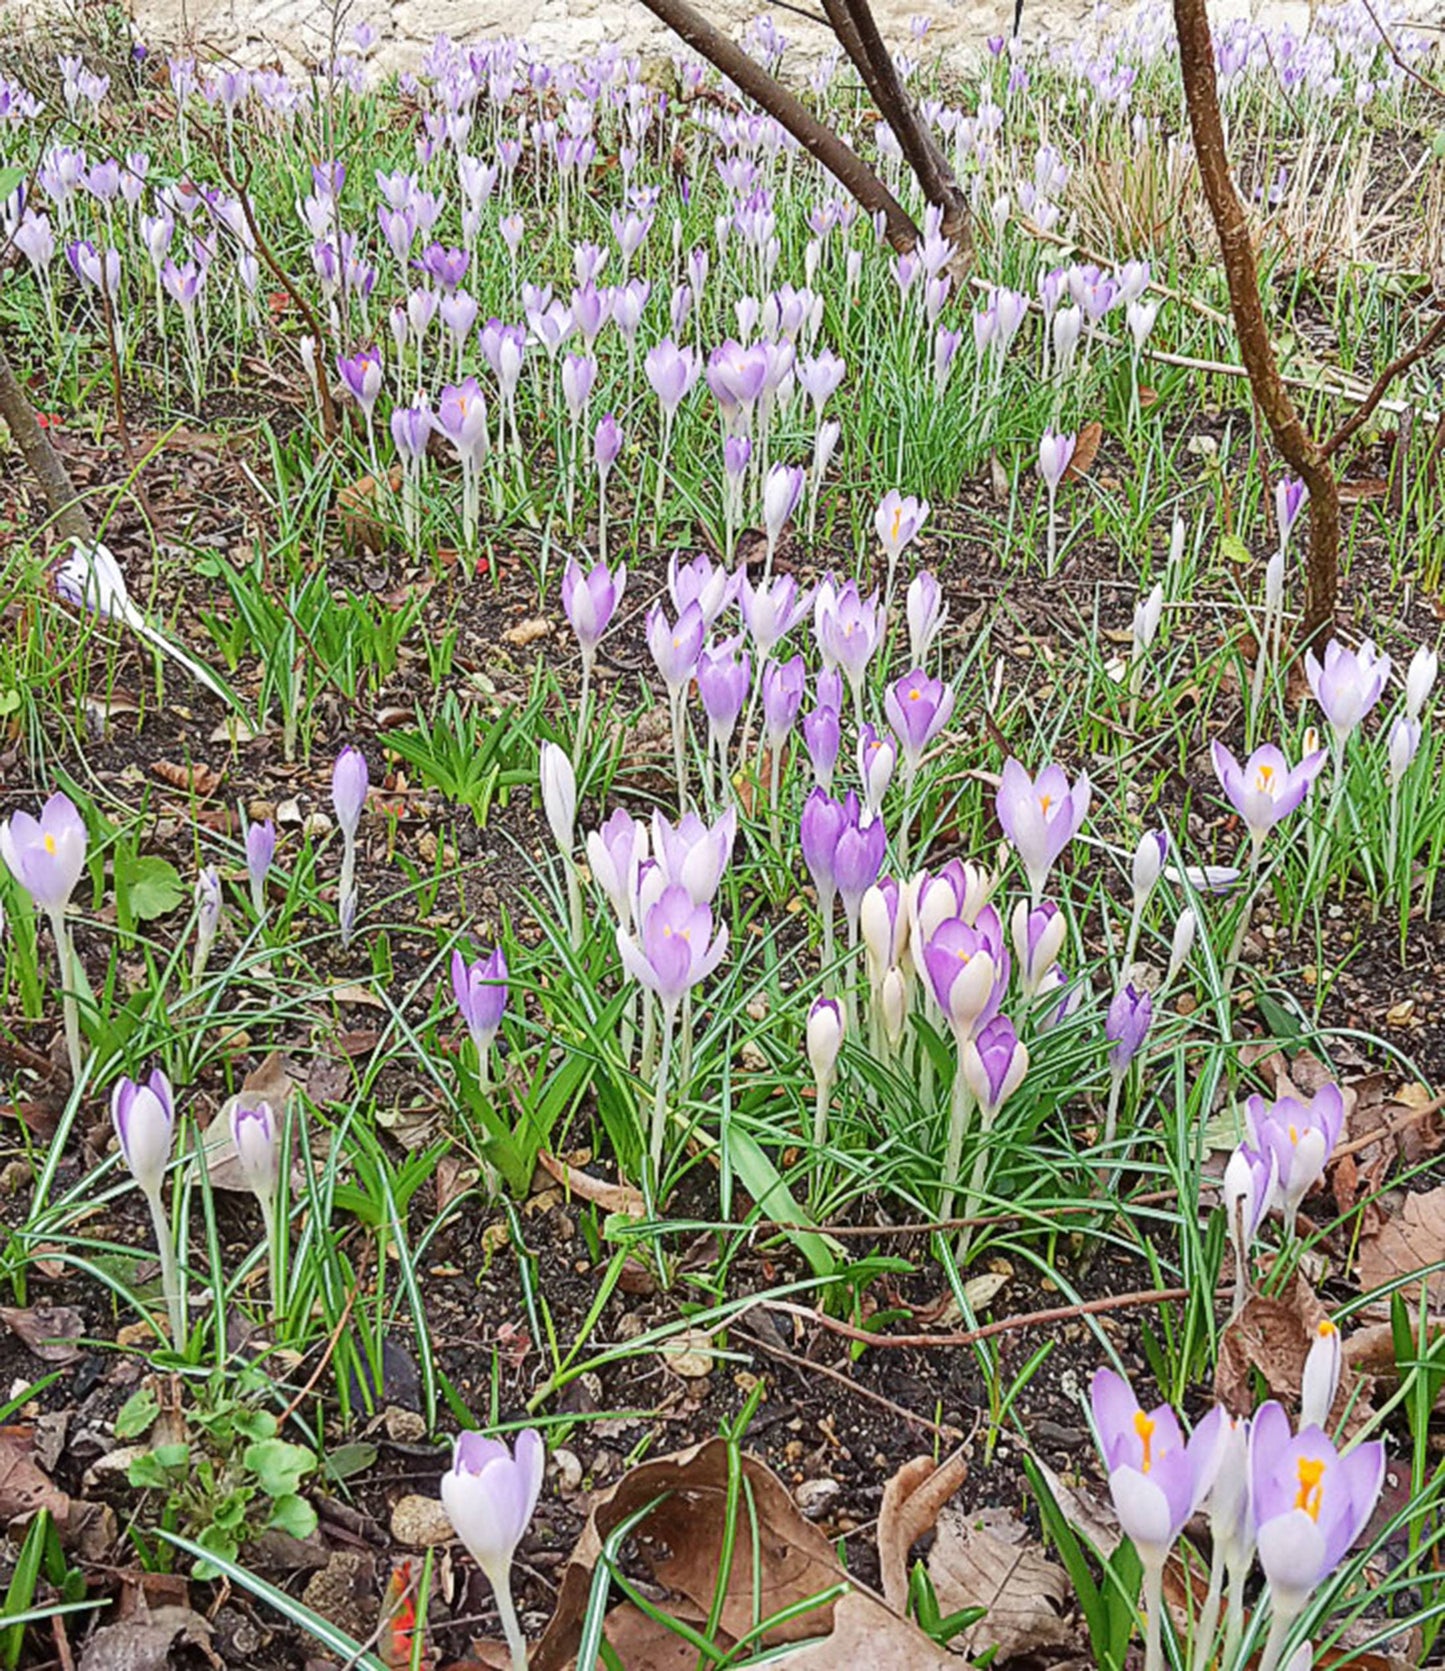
x=1086, y=450
x=1273, y=1336
x=1022, y=1589
x=50, y=1331
x=612, y=1198
x=195, y=779
x=912, y=1500
x=1406, y=1244
x=144, y=1643
x=527, y=632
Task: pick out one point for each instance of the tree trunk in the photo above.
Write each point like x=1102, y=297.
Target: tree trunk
x=66, y=509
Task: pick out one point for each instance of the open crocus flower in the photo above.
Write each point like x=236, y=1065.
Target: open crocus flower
x=1310, y=1503
x=490, y=1496
x=850, y=628
x=897, y=522
x=918, y=708
x=615, y=854
x=1347, y=684
x=1040, y=816
x=1156, y=1478
x=1300, y=1136
x=693, y=855
x=675, y=645
x=963, y=973
x=707, y=584
x=772, y=610
x=480, y=991
x=590, y=598
x=46, y=855
x=1265, y=789
x=675, y=950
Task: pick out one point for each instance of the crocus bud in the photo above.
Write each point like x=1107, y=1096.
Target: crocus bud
x=1055, y=453
x=877, y=756
x=1148, y=863
x=1126, y=1024
x=490, y=1496
x=1420, y=680
x=144, y=1117
x=1183, y=944
x=1321, y=1375
x=825, y=1039
x=1038, y=938
x=926, y=612
x=893, y=1000
x=256, y=1135
x=823, y=734
x=780, y=496
x=480, y=990
x=1147, y=614
x=879, y=921
x=349, y=784
x=1274, y=582
x=994, y=1064
x=559, y=796
x=1404, y=741
x=260, y=850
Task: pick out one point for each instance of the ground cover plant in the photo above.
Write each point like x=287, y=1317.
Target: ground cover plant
x=695, y=969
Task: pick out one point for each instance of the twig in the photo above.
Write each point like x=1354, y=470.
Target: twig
x=855, y=1388
x=1392, y=1129
x=1394, y=52
x=1401, y=363
x=984, y=1221
x=970, y=1337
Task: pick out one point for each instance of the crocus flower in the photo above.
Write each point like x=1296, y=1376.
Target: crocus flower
x=1148, y=864
x=724, y=677
x=362, y=375
x=883, y=924
x=1310, y=1503
x=707, y=584
x=144, y=1118
x=783, y=685
x=1249, y=1186
x=260, y=850
x=257, y=1141
x=1290, y=494
x=1156, y=1479
x=208, y=919
x=995, y=1061
x=781, y=492
x=693, y=855
x=590, y=599
x=918, y=708
x=1126, y=1025
x=897, y=522
x=857, y=859
x=822, y=824
x=676, y=645
x=615, y=854
x=676, y=949
x=1055, y=454
x=1402, y=746
x=1321, y=1378
x=1038, y=938
x=1040, y=816
x=1420, y=680
x=926, y=614
x=771, y=611
x=490, y=1496
x=850, y=628
x=46, y=855
x=1301, y=1137
x=559, y=797
x=1265, y=789
x=480, y=991
x=962, y=972
x=349, y=783
x=1347, y=684
x=824, y=1039
x=823, y=735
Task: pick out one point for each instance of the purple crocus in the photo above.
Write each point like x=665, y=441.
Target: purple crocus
x=144, y=1117
x=362, y=375
x=962, y=972
x=671, y=371
x=675, y=646
x=877, y=756
x=676, y=949
x=1040, y=816
x=707, y=584
x=918, y=708
x=857, y=859
x=1265, y=789
x=1310, y=1503
x=926, y=612
x=823, y=736
x=771, y=610
x=490, y=1497
x=1301, y=1137
x=256, y=1138
x=850, y=628
x=260, y=850
x=1038, y=938
x=606, y=445
x=1290, y=495
x=590, y=599
x=46, y=855
x=995, y=1061
x=724, y=677
x=1347, y=684
x=820, y=830
x=1126, y=1025
x=480, y=991
x=783, y=686
x=1156, y=1479
x=693, y=855
x=1056, y=452
x=349, y=784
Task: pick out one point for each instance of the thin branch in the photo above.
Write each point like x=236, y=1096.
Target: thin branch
x=44, y=462
x=842, y=162
x=1401, y=363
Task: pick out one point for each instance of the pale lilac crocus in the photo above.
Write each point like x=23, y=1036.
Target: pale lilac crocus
x=781, y=492
x=1038, y=938
x=1157, y=1480
x=694, y=855
x=771, y=610
x=260, y=851
x=671, y=371
x=927, y=612
x=256, y=1139
x=877, y=756
x=490, y=1496
x=824, y=1041
x=1347, y=684
x=857, y=860
x=707, y=584
x=461, y=416
x=559, y=803
x=850, y=628
x=144, y=1117
x=590, y=598
x=1249, y=1186
x=1056, y=452
x=823, y=736
x=606, y=448
x=674, y=951
x=897, y=522
x=1310, y=1503
x=46, y=857
x=615, y=855
x=1265, y=789
x=1420, y=680
x=918, y=707
x=737, y=455
x=995, y=1061
x=1320, y=1380
x=1301, y=1137
x=676, y=646
x=349, y=785
x=820, y=829
x=966, y=972
x=479, y=990
x=724, y=677
x=1040, y=816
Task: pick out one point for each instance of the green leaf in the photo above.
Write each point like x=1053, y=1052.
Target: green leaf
x=152, y=885
x=1234, y=550
x=279, y=1467
x=348, y=1460
x=254, y=1424
x=215, y=1542
x=11, y=179
x=158, y=1469
x=136, y=1414
x=294, y=1516
x=763, y=1182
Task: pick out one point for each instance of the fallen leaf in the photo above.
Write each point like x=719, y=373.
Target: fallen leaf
x=780, y=1563
x=270, y=1082
x=527, y=632
x=50, y=1331
x=195, y=779
x=912, y=1500
x=1022, y=1589
x=24, y=1486
x=419, y=1522
x=1272, y=1337
x=1406, y=1244
x=144, y=1643
x=614, y=1198
x=350, y=993
x=1086, y=450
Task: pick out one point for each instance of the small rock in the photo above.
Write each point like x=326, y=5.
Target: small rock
x=420, y=1522
x=404, y=1427
x=317, y=824
x=567, y=1467
x=689, y=1354
x=814, y=1497
x=288, y=811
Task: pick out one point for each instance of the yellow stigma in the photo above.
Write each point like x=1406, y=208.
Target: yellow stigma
x=1045, y=802
x=1326, y=1329
x=897, y=521
x=1294, y=1134
x=1263, y=778
x=50, y=844
x=1144, y=1426
x=913, y=695
x=1311, y=1473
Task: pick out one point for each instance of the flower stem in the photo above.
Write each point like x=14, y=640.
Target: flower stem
x=959, y=1108
x=170, y=1276
x=69, y=1009
x=1246, y=912
x=659, y=1096
x=1280, y=1624
x=511, y=1627
x=574, y=902
x=1153, y=1616
x=1208, y=1622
